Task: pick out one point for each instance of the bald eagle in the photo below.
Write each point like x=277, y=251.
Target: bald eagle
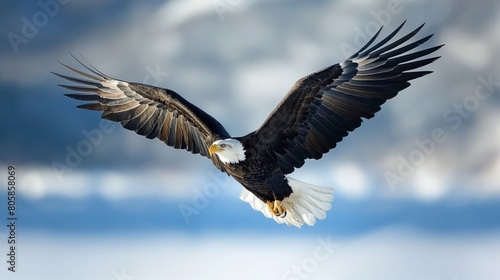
x=317, y=113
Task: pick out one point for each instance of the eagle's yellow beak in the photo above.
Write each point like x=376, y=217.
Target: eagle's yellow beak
x=214, y=149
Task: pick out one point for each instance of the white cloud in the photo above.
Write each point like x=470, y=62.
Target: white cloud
x=259, y=93
x=483, y=154
x=474, y=51
x=489, y=179
x=176, y=12
x=430, y=181
x=38, y=182
x=350, y=180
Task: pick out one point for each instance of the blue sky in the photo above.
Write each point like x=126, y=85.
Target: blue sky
x=424, y=170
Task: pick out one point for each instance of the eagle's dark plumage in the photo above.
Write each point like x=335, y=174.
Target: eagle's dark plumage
x=323, y=107
x=317, y=113
x=149, y=111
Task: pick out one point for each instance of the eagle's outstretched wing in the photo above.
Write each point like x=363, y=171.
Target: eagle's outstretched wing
x=323, y=107
x=149, y=111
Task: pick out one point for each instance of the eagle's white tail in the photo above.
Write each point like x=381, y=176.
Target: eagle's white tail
x=306, y=204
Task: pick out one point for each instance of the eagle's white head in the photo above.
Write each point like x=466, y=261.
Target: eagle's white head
x=228, y=150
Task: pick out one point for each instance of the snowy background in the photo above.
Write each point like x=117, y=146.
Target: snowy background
x=408, y=204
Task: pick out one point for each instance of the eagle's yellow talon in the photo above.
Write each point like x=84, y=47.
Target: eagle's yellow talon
x=277, y=208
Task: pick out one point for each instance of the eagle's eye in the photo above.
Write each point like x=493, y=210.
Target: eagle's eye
x=223, y=145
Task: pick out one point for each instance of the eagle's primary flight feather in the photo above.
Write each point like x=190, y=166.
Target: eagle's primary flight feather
x=317, y=113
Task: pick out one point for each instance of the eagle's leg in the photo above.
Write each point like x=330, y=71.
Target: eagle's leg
x=277, y=208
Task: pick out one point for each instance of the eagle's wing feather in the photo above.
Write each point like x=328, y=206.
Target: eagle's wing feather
x=323, y=107
x=149, y=111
